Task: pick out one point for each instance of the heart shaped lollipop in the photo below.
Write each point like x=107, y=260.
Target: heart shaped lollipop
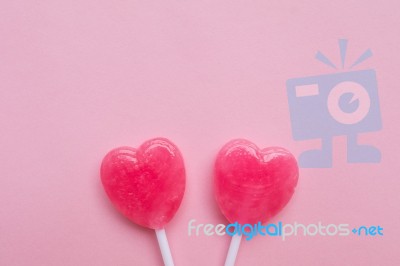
x=252, y=185
x=146, y=184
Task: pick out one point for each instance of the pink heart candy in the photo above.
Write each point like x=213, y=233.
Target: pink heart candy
x=253, y=185
x=146, y=184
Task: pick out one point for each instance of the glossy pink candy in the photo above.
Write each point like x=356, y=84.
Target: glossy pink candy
x=145, y=184
x=252, y=185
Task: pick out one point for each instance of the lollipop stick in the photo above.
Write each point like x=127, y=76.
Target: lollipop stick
x=233, y=250
x=164, y=247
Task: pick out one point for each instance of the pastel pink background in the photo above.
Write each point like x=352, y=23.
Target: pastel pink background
x=80, y=77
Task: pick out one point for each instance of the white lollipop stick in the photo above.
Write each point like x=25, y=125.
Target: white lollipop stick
x=164, y=247
x=233, y=250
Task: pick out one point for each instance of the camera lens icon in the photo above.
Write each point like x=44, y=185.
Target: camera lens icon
x=343, y=98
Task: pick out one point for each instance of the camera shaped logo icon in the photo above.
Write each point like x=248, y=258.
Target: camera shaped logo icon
x=324, y=106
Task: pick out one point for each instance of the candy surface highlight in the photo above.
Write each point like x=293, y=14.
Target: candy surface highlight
x=146, y=184
x=253, y=185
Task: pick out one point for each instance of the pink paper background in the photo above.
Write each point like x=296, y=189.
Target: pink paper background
x=78, y=78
